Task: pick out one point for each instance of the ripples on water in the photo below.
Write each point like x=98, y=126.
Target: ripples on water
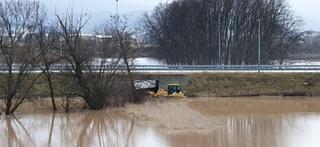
x=101, y=128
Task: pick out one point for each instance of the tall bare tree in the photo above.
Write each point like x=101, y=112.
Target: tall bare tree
x=46, y=38
x=123, y=37
x=18, y=52
x=95, y=76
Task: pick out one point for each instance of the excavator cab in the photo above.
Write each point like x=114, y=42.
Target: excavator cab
x=174, y=89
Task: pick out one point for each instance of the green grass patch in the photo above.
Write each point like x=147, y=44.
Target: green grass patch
x=254, y=84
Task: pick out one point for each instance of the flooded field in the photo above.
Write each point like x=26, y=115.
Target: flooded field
x=118, y=128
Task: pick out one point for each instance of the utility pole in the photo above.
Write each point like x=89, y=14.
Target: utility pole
x=259, y=44
x=117, y=13
x=117, y=7
x=219, y=38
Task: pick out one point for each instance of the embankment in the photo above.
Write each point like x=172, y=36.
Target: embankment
x=253, y=84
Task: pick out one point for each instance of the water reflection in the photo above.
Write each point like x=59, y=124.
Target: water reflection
x=101, y=128
x=301, y=130
x=13, y=133
x=77, y=129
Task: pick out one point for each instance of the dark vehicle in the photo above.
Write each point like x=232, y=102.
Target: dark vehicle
x=174, y=89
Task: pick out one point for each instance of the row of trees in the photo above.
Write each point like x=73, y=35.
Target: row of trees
x=199, y=31
x=29, y=42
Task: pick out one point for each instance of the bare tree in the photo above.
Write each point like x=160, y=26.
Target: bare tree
x=95, y=77
x=123, y=37
x=18, y=51
x=46, y=38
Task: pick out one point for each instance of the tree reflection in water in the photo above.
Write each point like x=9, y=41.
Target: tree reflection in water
x=103, y=128
x=95, y=128
x=51, y=129
x=14, y=132
x=98, y=127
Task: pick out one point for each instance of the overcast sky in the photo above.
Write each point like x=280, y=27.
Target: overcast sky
x=307, y=10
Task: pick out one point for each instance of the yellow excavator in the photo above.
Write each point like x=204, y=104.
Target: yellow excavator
x=152, y=86
x=174, y=90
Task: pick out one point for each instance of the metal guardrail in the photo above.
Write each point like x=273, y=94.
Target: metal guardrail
x=225, y=67
x=192, y=68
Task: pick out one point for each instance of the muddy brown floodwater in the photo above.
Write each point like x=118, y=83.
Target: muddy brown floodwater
x=118, y=128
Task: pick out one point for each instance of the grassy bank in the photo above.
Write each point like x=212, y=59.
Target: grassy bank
x=273, y=84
